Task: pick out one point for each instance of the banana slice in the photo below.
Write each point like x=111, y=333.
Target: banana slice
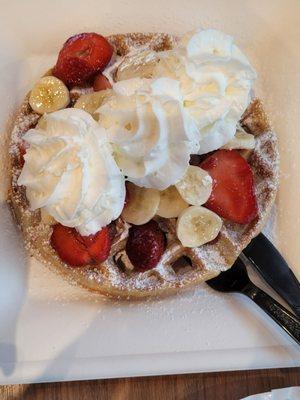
x=49, y=94
x=142, y=204
x=196, y=185
x=90, y=102
x=171, y=204
x=138, y=65
x=241, y=140
x=197, y=225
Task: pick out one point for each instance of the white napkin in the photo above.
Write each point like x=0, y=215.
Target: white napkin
x=291, y=393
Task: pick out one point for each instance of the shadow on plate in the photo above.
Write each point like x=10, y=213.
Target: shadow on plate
x=13, y=279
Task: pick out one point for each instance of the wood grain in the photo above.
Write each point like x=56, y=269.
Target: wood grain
x=213, y=386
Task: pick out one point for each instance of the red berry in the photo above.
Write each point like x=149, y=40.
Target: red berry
x=81, y=57
x=77, y=250
x=73, y=71
x=232, y=196
x=101, y=83
x=145, y=245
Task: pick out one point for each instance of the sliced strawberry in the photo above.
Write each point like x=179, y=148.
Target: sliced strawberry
x=145, y=245
x=81, y=57
x=101, y=83
x=66, y=241
x=77, y=250
x=232, y=196
x=98, y=245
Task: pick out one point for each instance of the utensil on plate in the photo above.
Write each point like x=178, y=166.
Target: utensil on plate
x=236, y=280
x=275, y=271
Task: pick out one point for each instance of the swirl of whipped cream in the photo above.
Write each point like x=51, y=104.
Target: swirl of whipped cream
x=152, y=134
x=215, y=83
x=70, y=172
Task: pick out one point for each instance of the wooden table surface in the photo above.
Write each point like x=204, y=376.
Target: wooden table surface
x=213, y=386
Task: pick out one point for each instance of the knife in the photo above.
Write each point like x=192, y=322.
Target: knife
x=274, y=269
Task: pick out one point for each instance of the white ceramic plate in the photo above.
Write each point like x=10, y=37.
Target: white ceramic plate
x=52, y=331
x=290, y=393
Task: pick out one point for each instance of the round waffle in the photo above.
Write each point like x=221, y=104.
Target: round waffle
x=179, y=267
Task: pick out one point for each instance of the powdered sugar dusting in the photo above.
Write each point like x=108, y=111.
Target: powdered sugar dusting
x=26, y=120
x=211, y=258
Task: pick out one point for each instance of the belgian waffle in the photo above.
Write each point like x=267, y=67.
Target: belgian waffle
x=179, y=267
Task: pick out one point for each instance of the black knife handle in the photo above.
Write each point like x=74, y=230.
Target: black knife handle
x=275, y=271
x=288, y=321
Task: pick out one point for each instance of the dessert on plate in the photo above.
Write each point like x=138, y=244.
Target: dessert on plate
x=142, y=164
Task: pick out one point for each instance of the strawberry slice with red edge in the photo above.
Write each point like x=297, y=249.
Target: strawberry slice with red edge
x=145, y=245
x=232, y=196
x=101, y=83
x=98, y=245
x=77, y=250
x=81, y=57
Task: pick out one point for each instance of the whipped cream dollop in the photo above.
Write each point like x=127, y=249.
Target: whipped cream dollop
x=70, y=172
x=215, y=83
x=192, y=104
x=152, y=133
